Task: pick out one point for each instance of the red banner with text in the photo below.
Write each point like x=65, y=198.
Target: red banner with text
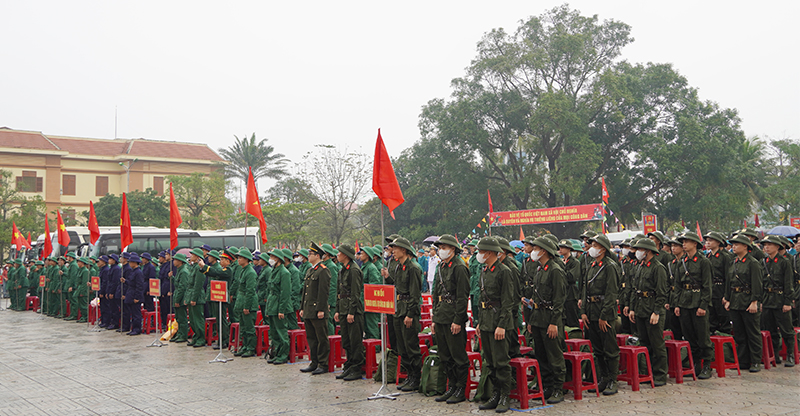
x=155, y=287
x=794, y=222
x=41, y=281
x=650, y=225
x=95, y=283
x=379, y=299
x=219, y=290
x=575, y=213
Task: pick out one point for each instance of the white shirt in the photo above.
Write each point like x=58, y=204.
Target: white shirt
x=432, y=263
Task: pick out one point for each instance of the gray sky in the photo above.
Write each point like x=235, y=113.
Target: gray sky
x=301, y=73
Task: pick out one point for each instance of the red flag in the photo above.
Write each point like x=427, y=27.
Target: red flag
x=384, y=181
x=357, y=247
x=29, y=238
x=699, y=233
x=18, y=239
x=757, y=223
x=48, y=242
x=254, y=206
x=94, y=229
x=491, y=209
x=63, y=236
x=174, y=219
x=605, y=191
x=125, y=233
x=745, y=223
x=521, y=234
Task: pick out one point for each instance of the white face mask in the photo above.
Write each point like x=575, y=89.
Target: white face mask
x=272, y=262
x=574, y=254
x=594, y=252
x=536, y=255
x=625, y=252
x=641, y=255
x=298, y=259
x=481, y=258
x=445, y=254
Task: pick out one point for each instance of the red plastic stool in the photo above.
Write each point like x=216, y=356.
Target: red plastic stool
x=210, y=337
x=525, y=350
x=471, y=332
x=669, y=334
x=621, y=339
x=234, y=339
x=69, y=304
x=577, y=385
x=631, y=353
x=783, y=348
x=522, y=392
x=425, y=323
x=148, y=321
x=371, y=348
x=259, y=318
x=262, y=339
x=426, y=339
x=676, y=369
x=522, y=341
x=94, y=314
x=426, y=308
x=400, y=374
x=335, y=357
x=768, y=354
x=575, y=344
x=427, y=299
x=471, y=384
x=298, y=345
x=31, y=302
x=719, y=355
x=301, y=324
x=425, y=315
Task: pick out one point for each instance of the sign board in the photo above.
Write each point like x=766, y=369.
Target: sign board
x=95, y=283
x=218, y=290
x=155, y=287
x=379, y=299
x=576, y=213
x=41, y=281
x=794, y=222
x=649, y=221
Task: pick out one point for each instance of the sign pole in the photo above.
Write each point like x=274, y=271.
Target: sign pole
x=156, y=284
x=95, y=327
x=381, y=298
x=42, y=297
x=220, y=358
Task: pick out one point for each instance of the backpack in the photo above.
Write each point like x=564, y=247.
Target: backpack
x=391, y=368
x=434, y=378
x=727, y=349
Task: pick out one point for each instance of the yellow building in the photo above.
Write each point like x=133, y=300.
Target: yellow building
x=71, y=171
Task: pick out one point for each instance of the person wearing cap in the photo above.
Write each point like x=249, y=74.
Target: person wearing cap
x=180, y=281
x=279, y=306
x=660, y=240
x=70, y=283
x=778, y=295
x=215, y=271
x=247, y=305
x=233, y=285
x=194, y=299
x=371, y=277
x=134, y=289
x=350, y=312
x=795, y=259
x=718, y=318
x=103, y=270
x=165, y=300
x=262, y=280
x=257, y=263
x=599, y=311
x=408, y=288
x=506, y=256
x=692, y=301
x=121, y=288
x=52, y=286
x=20, y=286
x=297, y=288
x=314, y=310
x=112, y=287
x=572, y=274
x=82, y=289
x=672, y=321
x=33, y=283
x=626, y=273
x=648, y=295
x=148, y=272
x=497, y=321
x=302, y=257
x=751, y=233
x=422, y=260
x=474, y=279
x=328, y=260
x=450, y=301
x=46, y=295
x=743, y=293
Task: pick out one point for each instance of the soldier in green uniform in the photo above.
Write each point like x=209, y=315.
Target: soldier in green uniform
x=673, y=323
x=408, y=288
x=194, y=298
x=20, y=286
x=350, y=312
x=627, y=265
x=450, y=297
x=796, y=267
x=506, y=256
x=297, y=288
x=61, y=287
x=474, y=279
x=233, y=285
x=660, y=240
x=750, y=233
x=327, y=260
x=279, y=306
x=692, y=300
x=71, y=283
x=648, y=295
x=721, y=260
x=545, y=300
x=314, y=310
x=599, y=310
x=572, y=274
x=180, y=279
x=218, y=268
x=302, y=258
x=33, y=283
x=261, y=284
x=387, y=272
x=372, y=320
x=497, y=321
x=247, y=305
x=742, y=294
x=778, y=293
x=47, y=301
x=82, y=288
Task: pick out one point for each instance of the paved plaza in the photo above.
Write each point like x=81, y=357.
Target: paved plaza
x=54, y=367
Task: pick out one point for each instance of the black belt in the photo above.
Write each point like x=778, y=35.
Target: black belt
x=645, y=293
x=691, y=287
x=741, y=289
x=595, y=299
x=403, y=296
x=446, y=298
x=778, y=290
x=719, y=282
x=543, y=305
x=344, y=296
x=490, y=304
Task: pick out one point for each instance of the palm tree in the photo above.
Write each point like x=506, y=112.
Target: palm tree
x=261, y=157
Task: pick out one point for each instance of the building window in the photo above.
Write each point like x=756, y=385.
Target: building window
x=158, y=185
x=28, y=182
x=101, y=186
x=68, y=185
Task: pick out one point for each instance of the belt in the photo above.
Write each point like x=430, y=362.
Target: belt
x=490, y=304
x=778, y=290
x=645, y=293
x=344, y=296
x=719, y=282
x=446, y=298
x=403, y=296
x=741, y=289
x=693, y=288
x=595, y=299
x=543, y=305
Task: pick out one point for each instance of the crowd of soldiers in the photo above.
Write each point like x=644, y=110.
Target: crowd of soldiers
x=691, y=285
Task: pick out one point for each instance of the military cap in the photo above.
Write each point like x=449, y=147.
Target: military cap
x=316, y=249
x=602, y=240
x=748, y=232
x=625, y=243
x=277, y=253
x=197, y=252
x=403, y=243
x=146, y=256
x=205, y=247
x=552, y=238
x=659, y=235
x=126, y=255
x=473, y=243
x=566, y=244
x=773, y=239
x=529, y=239
x=588, y=234
x=83, y=260
x=504, y=244
x=741, y=239
x=102, y=258
x=303, y=252
x=287, y=254
x=577, y=246
x=391, y=238
x=245, y=252
x=546, y=244
x=214, y=254
x=786, y=243
x=714, y=235
x=256, y=254
x=329, y=249
x=93, y=258
x=162, y=253
x=348, y=251
x=231, y=253
x=114, y=256
x=265, y=256
x=17, y=261
x=691, y=237
x=180, y=257
x=71, y=254
x=39, y=263
x=134, y=258
x=449, y=240
x=489, y=244
x=647, y=244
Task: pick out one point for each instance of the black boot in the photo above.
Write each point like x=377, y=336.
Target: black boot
x=492, y=403
x=789, y=361
x=310, y=368
x=458, y=396
x=343, y=374
x=705, y=372
x=447, y=394
x=611, y=388
x=405, y=382
x=413, y=385
x=502, y=404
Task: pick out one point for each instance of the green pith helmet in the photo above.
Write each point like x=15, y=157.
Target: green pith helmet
x=214, y=254
x=646, y=244
x=714, y=235
x=489, y=244
x=391, y=238
x=245, y=252
x=659, y=235
x=588, y=234
x=741, y=239
x=329, y=249
x=691, y=237
x=403, y=243
x=546, y=244
x=348, y=251
x=602, y=240
x=774, y=239
x=449, y=240
x=505, y=245
x=473, y=243
x=180, y=257
x=553, y=239
x=566, y=244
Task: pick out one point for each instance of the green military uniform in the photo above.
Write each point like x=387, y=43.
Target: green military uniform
x=233, y=286
x=450, y=298
x=246, y=300
x=572, y=274
x=600, y=294
x=408, y=288
x=719, y=319
x=195, y=293
x=181, y=280
x=279, y=301
x=744, y=287
x=261, y=286
x=372, y=276
x=304, y=266
x=693, y=286
x=474, y=284
x=315, y=303
x=71, y=282
x=627, y=266
x=297, y=288
x=673, y=323
x=546, y=295
x=334, y=268
x=647, y=298
x=796, y=308
x=497, y=311
x=217, y=272
x=33, y=281
x=514, y=268
x=350, y=302
x=82, y=291
x=778, y=292
x=20, y=285
x=756, y=252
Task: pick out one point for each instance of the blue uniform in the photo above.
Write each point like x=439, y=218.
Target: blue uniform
x=165, y=301
x=134, y=291
x=112, y=289
x=105, y=311
x=148, y=272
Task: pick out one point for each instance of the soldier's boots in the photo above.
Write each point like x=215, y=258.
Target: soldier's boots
x=413, y=385
x=611, y=388
x=458, y=396
x=447, y=394
x=547, y=392
x=343, y=374
x=705, y=372
x=557, y=397
x=502, y=403
x=492, y=403
x=601, y=385
x=754, y=368
x=404, y=383
x=354, y=374
x=789, y=361
x=310, y=368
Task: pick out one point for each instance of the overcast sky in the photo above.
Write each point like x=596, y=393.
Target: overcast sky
x=302, y=73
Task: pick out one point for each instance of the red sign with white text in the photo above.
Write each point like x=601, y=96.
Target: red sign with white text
x=218, y=290
x=379, y=299
x=41, y=281
x=649, y=221
x=575, y=213
x=794, y=222
x=155, y=287
x=95, y=283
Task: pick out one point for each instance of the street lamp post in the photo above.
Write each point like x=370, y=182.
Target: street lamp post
x=128, y=171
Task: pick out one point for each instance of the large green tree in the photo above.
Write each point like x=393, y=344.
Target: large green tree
x=201, y=198
x=15, y=208
x=146, y=209
x=289, y=210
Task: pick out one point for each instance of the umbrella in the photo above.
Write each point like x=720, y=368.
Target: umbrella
x=432, y=239
x=516, y=243
x=784, y=230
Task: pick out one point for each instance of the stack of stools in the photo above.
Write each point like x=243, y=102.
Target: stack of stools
x=371, y=348
x=575, y=344
x=768, y=354
x=234, y=337
x=676, y=369
x=719, y=355
x=148, y=320
x=298, y=345
x=262, y=339
x=210, y=337
x=32, y=302
x=577, y=385
x=631, y=354
x=335, y=358
x=522, y=393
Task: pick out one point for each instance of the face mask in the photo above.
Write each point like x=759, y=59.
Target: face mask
x=625, y=251
x=641, y=255
x=481, y=258
x=272, y=262
x=298, y=259
x=632, y=255
x=574, y=254
x=536, y=255
x=594, y=252
x=445, y=254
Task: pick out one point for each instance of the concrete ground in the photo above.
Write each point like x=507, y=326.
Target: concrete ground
x=54, y=367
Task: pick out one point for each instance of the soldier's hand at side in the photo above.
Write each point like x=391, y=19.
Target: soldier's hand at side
x=246, y=311
x=727, y=305
x=407, y=322
x=654, y=319
x=585, y=319
x=677, y=311
x=336, y=317
x=753, y=308
x=301, y=314
x=170, y=274
x=552, y=331
x=281, y=316
x=136, y=301
x=580, y=303
x=351, y=318
x=632, y=316
x=193, y=303
x=701, y=312
x=604, y=325
x=499, y=334
x=455, y=329
x=320, y=315
x=625, y=310
x=786, y=308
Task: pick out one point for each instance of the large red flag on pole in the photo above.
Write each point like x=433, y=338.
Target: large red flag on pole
x=521, y=234
x=18, y=239
x=63, y=236
x=94, y=229
x=384, y=181
x=489, y=194
x=125, y=233
x=254, y=206
x=699, y=233
x=175, y=219
x=605, y=192
x=48, y=242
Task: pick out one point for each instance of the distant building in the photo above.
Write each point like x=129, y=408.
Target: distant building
x=71, y=171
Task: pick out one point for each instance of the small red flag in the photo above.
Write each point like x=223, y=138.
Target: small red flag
x=174, y=219
x=254, y=206
x=94, y=229
x=357, y=247
x=699, y=233
x=745, y=223
x=18, y=239
x=48, y=242
x=521, y=234
x=757, y=222
x=605, y=191
x=63, y=236
x=384, y=181
x=29, y=238
x=125, y=233
x=489, y=194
